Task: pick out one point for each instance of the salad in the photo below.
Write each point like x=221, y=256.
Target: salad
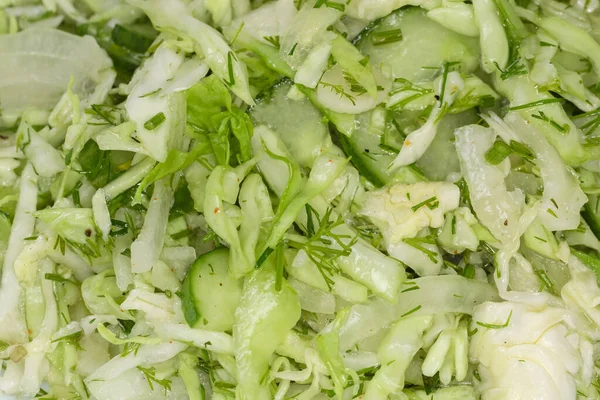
x=300, y=199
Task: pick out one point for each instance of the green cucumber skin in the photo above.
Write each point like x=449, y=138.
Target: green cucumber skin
x=209, y=295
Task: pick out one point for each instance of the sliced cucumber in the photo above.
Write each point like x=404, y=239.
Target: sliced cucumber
x=298, y=124
x=371, y=147
x=422, y=46
x=376, y=142
x=441, y=159
x=210, y=296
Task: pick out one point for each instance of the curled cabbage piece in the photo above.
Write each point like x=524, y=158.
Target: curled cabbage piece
x=38, y=64
x=516, y=345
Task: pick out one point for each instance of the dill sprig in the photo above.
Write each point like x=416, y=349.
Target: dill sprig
x=404, y=85
x=543, y=117
x=109, y=114
x=150, y=374
x=593, y=124
x=369, y=232
x=323, y=246
x=340, y=91
x=72, y=338
x=515, y=67
x=355, y=87
x=129, y=348
x=417, y=243
x=210, y=366
x=273, y=40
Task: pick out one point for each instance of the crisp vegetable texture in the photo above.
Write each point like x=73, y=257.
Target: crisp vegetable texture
x=300, y=199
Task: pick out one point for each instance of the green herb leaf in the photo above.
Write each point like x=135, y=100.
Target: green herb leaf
x=274, y=40
x=380, y=38
x=496, y=326
x=150, y=374
x=279, y=266
x=543, y=117
x=155, y=121
x=431, y=203
x=317, y=246
x=417, y=243
x=537, y=103
x=501, y=150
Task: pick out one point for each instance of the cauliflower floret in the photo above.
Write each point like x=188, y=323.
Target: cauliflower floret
x=404, y=213
x=401, y=211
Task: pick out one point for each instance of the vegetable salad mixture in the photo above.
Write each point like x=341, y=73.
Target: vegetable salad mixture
x=300, y=199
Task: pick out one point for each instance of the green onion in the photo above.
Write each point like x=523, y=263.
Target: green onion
x=155, y=121
x=335, y=6
x=230, y=58
x=521, y=150
x=431, y=203
x=56, y=278
x=497, y=153
x=386, y=37
x=469, y=271
x=501, y=150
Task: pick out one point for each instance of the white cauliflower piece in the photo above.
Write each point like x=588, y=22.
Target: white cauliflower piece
x=403, y=212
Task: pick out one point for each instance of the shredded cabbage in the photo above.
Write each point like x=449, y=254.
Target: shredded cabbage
x=248, y=200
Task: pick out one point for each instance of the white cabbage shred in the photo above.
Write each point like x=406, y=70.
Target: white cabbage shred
x=324, y=199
